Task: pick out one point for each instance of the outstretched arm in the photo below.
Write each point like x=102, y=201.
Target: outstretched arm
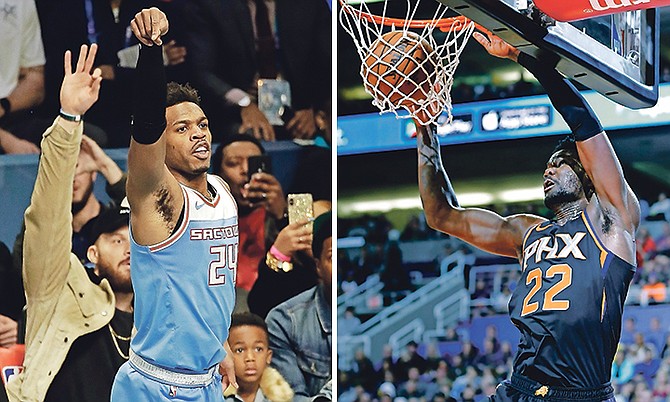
x=482, y=228
x=150, y=185
x=48, y=233
x=594, y=148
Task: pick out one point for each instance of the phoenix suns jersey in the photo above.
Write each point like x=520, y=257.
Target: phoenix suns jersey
x=185, y=286
x=568, y=305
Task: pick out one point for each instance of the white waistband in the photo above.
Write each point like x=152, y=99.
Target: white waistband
x=171, y=377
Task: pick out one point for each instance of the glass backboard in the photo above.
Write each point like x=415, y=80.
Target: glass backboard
x=616, y=55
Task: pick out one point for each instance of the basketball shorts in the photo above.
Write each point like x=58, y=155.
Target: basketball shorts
x=522, y=389
x=133, y=385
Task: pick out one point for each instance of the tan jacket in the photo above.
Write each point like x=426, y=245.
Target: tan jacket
x=63, y=304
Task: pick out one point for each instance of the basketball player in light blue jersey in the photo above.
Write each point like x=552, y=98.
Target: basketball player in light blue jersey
x=184, y=241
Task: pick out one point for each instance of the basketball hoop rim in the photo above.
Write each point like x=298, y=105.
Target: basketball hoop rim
x=444, y=24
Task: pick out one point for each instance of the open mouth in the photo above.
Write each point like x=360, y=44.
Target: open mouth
x=201, y=150
x=548, y=184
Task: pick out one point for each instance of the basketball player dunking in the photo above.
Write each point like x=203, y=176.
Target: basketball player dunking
x=184, y=241
x=576, y=268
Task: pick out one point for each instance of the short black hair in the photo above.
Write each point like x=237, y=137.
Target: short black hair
x=569, y=146
x=178, y=93
x=248, y=318
x=217, y=157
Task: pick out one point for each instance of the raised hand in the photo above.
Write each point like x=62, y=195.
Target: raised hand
x=293, y=238
x=149, y=25
x=253, y=119
x=302, y=125
x=80, y=88
x=496, y=46
x=94, y=159
x=264, y=189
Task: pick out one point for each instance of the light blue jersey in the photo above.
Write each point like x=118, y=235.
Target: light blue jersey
x=185, y=285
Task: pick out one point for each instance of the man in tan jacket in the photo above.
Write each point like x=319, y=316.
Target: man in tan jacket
x=79, y=322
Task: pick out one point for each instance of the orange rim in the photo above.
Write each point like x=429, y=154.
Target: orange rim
x=444, y=24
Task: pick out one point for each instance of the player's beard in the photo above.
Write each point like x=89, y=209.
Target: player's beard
x=554, y=200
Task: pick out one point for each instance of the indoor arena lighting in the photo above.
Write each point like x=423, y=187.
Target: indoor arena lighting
x=522, y=194
x=465, y=199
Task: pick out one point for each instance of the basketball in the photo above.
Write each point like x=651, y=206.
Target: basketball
x=397, y=67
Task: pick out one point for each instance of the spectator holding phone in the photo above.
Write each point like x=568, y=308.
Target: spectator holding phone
x=261, y=206
x=301, y=327
x=288, y=267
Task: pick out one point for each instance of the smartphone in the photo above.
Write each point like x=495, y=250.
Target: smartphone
x=259, y=164
x=300, y=208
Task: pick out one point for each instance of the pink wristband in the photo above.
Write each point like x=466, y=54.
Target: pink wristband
x=280, y=256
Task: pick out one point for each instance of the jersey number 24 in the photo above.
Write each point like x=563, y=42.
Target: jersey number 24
x=225, y=256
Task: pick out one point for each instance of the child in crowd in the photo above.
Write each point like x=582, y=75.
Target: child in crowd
x=248, y=340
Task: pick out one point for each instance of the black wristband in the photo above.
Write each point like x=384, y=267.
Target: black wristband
x=565, y=97
x=149, y=96
x=6, y=105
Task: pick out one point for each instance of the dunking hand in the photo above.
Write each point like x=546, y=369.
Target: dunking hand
x=496, y=46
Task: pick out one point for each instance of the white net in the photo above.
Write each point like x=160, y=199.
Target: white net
x=403, y=69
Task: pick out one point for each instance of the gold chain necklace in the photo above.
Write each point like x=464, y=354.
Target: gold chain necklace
x=116, y=336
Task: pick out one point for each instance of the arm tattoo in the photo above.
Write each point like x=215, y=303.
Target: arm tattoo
x=431, y=168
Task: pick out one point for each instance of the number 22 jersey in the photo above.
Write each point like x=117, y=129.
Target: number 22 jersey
x=568, y=305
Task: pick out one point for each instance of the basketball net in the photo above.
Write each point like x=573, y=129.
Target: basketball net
x=430, y=96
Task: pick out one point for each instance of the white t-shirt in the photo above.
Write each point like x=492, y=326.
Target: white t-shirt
x=20, y=41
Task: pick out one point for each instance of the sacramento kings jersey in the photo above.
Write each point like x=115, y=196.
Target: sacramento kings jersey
x=568, y=305
x=185, y=285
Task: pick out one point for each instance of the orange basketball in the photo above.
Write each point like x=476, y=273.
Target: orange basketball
x=395, y=57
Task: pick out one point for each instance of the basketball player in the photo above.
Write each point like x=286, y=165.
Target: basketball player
x=576, y=268
x=184, y=241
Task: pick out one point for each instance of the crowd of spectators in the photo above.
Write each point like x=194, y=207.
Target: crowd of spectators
x=641, y=368
x=470, y=373
x=379, y=255
x=211, y=44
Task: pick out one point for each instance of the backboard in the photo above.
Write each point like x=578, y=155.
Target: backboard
x=616, y=55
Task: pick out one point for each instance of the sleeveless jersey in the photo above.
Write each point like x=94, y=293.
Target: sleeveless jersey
x=568, y=305
x=185, y=285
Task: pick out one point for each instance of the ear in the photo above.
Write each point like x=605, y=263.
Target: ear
x=317, y=267
x=93, y=254
x=269, y=357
